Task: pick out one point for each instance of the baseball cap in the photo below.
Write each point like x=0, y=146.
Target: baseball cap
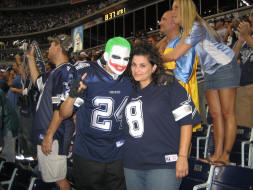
x=5, y=69
x=63, y=39
x=83, y=54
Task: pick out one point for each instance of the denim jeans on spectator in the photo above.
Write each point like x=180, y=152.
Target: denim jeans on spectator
x=26, y=146
x=162, y=179
x=8, y=152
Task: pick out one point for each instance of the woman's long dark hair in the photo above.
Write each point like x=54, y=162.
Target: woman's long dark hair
x=153, y=56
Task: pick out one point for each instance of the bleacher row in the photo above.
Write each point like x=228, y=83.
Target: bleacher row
x=237, y=176
x=203, y=144
x=15, y=176
x=21, y=176
x=24, y=175
x=210, y=177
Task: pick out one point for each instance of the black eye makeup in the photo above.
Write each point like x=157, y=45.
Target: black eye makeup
x=115, y=57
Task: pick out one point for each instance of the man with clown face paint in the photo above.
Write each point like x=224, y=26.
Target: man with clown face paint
x=100, y=97
x=117, y=57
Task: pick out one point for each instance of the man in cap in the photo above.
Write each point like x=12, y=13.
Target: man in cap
x=220, y=28
x=51, y=133
x=97, y=150
x=232, y=32
x=81, y=59
x=83, y=56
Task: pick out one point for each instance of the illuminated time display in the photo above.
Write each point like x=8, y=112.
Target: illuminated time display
x=115, y=13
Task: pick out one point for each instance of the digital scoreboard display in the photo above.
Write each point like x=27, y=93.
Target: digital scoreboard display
x=115, y=13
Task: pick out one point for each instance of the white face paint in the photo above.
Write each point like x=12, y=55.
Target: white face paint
x=118, y=59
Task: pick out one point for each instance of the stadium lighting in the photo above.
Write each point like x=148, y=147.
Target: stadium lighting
x=245, y=2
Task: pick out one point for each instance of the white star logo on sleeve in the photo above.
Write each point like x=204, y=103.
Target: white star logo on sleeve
x=184, y=110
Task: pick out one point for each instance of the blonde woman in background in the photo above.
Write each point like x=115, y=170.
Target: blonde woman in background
x=222, y=75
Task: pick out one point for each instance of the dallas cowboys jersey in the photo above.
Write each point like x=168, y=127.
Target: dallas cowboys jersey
x=153, y=117
x=246, y=57
x=99, y=134
x=80, y=64
x=53, y=88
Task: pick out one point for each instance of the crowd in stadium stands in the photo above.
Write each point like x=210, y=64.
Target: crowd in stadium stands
x=21, y=22
x=32, y=3
x=226, y=27
x=27, y=3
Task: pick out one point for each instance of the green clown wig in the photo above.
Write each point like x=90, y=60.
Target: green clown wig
x=116, y=41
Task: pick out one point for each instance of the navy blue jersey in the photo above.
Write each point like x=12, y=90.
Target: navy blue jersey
x=99, y=134
x=246, y=58
x=80, y=64
x=153, y=117
x=53, y=88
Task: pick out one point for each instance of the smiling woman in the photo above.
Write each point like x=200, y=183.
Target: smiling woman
x=142, y=62
x=158, y=125
x=142, y=70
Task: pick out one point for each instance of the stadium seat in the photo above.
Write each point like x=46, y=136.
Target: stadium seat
x=206, y=139
x=229, y=178
x=22, y=179
x=29, y=164
x=2, y=160
x=7, y=174
x=240, y=152
x=250, y=161
x=199, y=173
x=243, y=143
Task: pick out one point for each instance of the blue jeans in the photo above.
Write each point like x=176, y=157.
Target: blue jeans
x=228, y=76
x=8, y=152
x=162, y=179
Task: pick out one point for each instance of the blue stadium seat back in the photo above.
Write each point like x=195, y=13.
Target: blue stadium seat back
x=232, y=177
x=210, y=145
x=198, y=174
x=194, y=141
x=209, y=118
x=235, y=157
x=243, y=133
x=201, y=131
x=2, y=159
x=238, y=146
x=41, y=185
x=7, y=170
x=194, y=151
x=22, y=179
x=27, y=163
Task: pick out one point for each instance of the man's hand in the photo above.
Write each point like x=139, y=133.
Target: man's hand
x=30, y=52
x=240, y=38
x=182, y=167
x=46, y=145
x=78, y=87
x=12, y=89
x=244, y=29
x=166, y=78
